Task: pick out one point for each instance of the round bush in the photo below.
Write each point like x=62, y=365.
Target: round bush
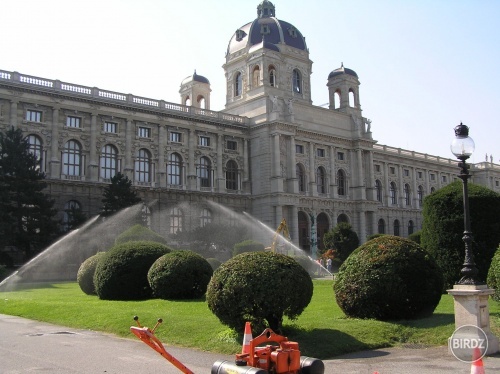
x=122, y=273
x=85, y=275
x=180, y=275
x=247, y=246
x=214, y=263
x=139, y=233
x=493, y=280
x=389, y=278
x=259, y=287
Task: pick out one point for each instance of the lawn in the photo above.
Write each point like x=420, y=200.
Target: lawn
x=322, y=330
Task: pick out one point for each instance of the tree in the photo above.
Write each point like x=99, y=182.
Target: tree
x=26, y=213
x=343, y=239
x=118, y=195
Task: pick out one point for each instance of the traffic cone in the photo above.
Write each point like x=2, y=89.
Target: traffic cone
x=477, y=363
x=246, y=338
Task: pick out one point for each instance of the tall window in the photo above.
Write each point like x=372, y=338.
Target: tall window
x=341, y=183
x=143, y=166
x=378, y=188
x=411, y=227
x=396, y=227
x=174, y=169
x=237, y=84
x=109, y=161
x=72, y=158
x=205, y=172
x=381, y=226
x=297, y=81
x=407, y=195
x=35, y=148
x=205, y=217
x=393, y=193
x=176, y=220
x=33, y=115
x=420, y=196
x=272, y=76
x=231, y=175
x=321, y=180
x=301, y=177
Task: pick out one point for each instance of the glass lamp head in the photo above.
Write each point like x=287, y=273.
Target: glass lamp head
x=463, y=145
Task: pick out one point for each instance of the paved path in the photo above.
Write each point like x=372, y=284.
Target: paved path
x=28, y=346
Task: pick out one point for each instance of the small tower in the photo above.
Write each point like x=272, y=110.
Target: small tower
x=195, y=91
x=343, y=85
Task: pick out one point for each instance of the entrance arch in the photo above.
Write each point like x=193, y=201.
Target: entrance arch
x=323, y=226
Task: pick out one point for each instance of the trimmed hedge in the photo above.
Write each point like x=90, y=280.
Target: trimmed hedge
x=493, y=279
x=122, y=273
x=389, y=278
x=180, y=275
x=139, y=233
x=85, y=275
x=248, y=246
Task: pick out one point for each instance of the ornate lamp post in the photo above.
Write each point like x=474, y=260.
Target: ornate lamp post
x=462, y=147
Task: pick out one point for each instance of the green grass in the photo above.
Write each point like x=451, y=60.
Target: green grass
x=322, y=330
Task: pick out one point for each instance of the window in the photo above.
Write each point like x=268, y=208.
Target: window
x=393, y=193
x=110, y=127
x=342, y=218
x=205, y=172
x=497, y=183
x=272, y=76
x=73, y=122
x=377, y=168
x=433, y=190
x=392, y=170
x=109, y=161
x=378, y=188
x=433, y=177
x=341, y=183
x=381, y=226
x=407, y=195
x=71, y=208
x=340, y=156
x=176, y=220
x=296, y=83
x=406, y=172
x=144, y=132
x=411, y=227
x=175, y=137
x=143, y=166
x=237, y=84
x=299, y=148
x=72, y=158
x=174, y=169
x=301, y=177
x=320, y=152
x=205, y=217
x=33, y=115
x=420, y=175
x=443, y=178
x=420, y=196
x=396, y=227
x=232, y=145
x=321, y=180
x=35, y=148
x=205, y=141
x=240, y=34
x=231, y=175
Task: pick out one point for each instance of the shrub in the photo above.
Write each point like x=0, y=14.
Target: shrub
x=443, y=228
x=415, y=236
x=122, y=272
x=493, y=279
x=180, y=275
x=373, y=236
x=389, y=278
x=247, y=246
x=343, y=239
x=139, y=233
x=85, y=275
x=214, y=263
x=259, y=287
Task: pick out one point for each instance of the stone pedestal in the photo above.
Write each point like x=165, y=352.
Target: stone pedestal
x=471, y=308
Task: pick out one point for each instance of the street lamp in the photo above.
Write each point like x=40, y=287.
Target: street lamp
x=462, y=147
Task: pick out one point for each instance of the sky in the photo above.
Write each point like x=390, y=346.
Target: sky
x=424, y=66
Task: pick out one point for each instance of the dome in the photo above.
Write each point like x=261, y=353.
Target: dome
x=266, y=31
x=195, y=78
x=342, y=70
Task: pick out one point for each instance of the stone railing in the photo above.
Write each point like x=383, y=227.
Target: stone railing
x=117, y=97
x=412, y=154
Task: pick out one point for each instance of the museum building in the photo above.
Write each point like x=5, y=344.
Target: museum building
x=270, y=152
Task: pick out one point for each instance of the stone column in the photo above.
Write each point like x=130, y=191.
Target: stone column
x=313, y=191
x=191, y=176
x=387, y=187
x=93, y=167
x=162, y=169
x=246, y=182
x=129, y=167
x=362, y=193
x=221, y=181
x=371, y=177
x=276, y=155
x=294, y=226
x=13, y=113
x=401, y=192
x=55, y=163
x=333, y=173
x=293, y=186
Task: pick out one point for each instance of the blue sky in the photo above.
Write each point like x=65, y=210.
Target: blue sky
x=424, y=66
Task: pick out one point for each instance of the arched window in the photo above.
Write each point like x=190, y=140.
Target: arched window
x=301, y=177
x=297, y=81
x=72, y=158
x=109, y=161
x=71, y=209
x=174, y=169
x=205, y=217
x=433, y=189
x=411, y=227
x=256, y=76
x=393, y=194
x=231, y=175
x=336, y=99
x=202, y=103
x=407, y=195
x=420, y=196
x=272, y=76
x=321, y=180
x=187, y=101
x=378, y=188
x=342, y=218
x=237, y=84
x=205, y=172
x=396, y=227
x=341, y=183
x=35, y=148
x=381, y=226
x=143, y=166
x=352, y=100
x=176, y=220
